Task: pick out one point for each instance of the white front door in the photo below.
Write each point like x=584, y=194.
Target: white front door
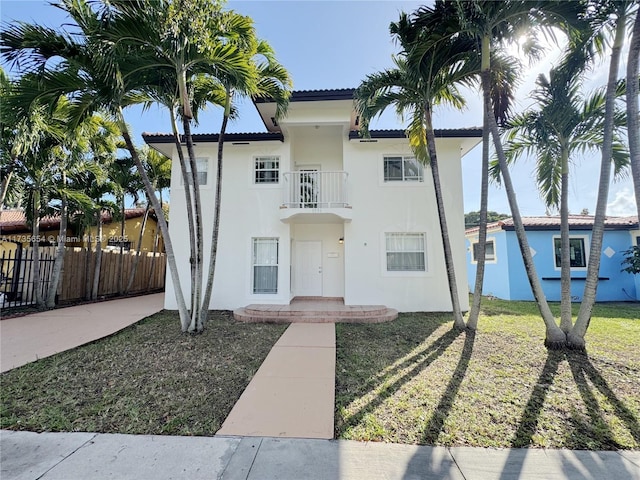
x=308, y=269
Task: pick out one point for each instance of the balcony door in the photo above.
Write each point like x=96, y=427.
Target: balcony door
x=308, y=269
x=309, y=188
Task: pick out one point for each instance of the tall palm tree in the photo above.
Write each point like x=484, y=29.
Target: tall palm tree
x=561, y=124
x=269, y=80
x=632, y=107
x=490, y=25
x=423, y=77
x=611, y=16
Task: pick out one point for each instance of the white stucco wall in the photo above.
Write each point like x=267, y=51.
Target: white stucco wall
x=355, y=270
x=401, y=207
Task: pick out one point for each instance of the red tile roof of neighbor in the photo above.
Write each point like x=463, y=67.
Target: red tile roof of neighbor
x=576, y=222
x=14, y=220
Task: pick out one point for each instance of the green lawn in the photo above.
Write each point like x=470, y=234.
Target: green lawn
x=147, y=379
x=413, y=380
x=416, y=381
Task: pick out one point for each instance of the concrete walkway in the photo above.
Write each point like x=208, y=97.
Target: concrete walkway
x=71, y=456
x=38, y=335
x=292, y=393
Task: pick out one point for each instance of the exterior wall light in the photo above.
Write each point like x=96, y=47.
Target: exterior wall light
x=341, y=240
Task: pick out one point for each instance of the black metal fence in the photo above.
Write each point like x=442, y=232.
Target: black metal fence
x=17, y=286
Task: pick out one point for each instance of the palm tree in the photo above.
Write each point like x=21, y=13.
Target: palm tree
x=489, y=25
x=611, y=16
x=424, y=76
x=159, y=172
x=269, y=79
x=632, y=107
x=562, y=124
x=92, y=72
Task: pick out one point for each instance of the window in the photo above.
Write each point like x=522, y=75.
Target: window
x=406, y=252
x=489, y=252
x=267, y=170
x=202, y=164
x=265, y=265
x=402, y=169
x=577, y=253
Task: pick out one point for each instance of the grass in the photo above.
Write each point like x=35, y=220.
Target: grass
x=412, y=381
x=416, y=381
x=146, y=379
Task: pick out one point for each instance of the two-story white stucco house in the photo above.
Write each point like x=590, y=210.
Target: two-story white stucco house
x=310, y=209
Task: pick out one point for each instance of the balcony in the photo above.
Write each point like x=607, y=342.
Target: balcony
x=315, y=197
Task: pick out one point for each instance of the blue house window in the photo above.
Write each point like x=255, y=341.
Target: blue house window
x=577, y=253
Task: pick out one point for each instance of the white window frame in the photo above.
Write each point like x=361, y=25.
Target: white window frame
x=585, y=246
x=386, y=253
x=493, y=259
x=254, y=240
x=405, y=180
x=200, y=162
x=255, y=169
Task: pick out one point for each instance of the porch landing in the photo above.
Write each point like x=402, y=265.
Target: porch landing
x=315, y=310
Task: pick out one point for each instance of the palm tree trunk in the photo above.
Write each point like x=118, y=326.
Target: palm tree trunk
x=196, y=324
x=60, y=251
x=566, y=321
x=458, y=321
x=472, y=322
x=216, y=215
x=555, y=338
x=136, y=260
x=4, y=188
x=35, y=257
x=633, y=126
x=121, y=249
x=87, y=267
x=189, y=202
x=575, y=339
x=153, y=258
x=162, y=222
x=98, y=263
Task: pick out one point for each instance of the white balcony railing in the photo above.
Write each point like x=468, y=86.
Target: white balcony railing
x=313, y=189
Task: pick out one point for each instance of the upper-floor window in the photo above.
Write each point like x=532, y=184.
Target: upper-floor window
x=489, y=251
x=266, y=170
x=202, y=166
x=577, y=252
x=406, y=252
x=402, y=169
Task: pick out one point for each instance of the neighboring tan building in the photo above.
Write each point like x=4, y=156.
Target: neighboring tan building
x=310, y=209
x=14, y=230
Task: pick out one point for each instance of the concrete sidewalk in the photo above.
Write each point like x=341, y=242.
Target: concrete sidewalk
x=38, y=335
x=292, y=393
x=71, y=456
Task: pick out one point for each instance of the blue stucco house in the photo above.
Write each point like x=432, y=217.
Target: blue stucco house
x=505, y=276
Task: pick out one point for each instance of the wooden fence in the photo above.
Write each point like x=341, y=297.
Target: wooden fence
x=16, y=274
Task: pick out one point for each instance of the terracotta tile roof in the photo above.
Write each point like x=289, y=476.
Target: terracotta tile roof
x=576, y=222
x=14, y=220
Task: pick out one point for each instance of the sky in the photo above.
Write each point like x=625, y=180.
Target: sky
x=335, y=44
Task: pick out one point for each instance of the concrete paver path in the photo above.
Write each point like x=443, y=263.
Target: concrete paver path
x=28, y=338
x=292, y=393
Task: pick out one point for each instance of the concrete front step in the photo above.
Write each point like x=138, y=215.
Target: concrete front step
x=378, y=314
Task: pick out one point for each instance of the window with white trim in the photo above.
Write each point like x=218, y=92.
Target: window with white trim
x=406, y=252
x=266, y=170
x=402, y=169
x=265, y=265
x=202, y=164
x=489, y=251
x=577, y=252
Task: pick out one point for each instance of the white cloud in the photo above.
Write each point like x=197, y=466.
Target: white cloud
x=623, y=204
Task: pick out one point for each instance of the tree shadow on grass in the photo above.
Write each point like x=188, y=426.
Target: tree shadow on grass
x=440, y=414
x=584, y=371
x=581, y=368
x=415, y=367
